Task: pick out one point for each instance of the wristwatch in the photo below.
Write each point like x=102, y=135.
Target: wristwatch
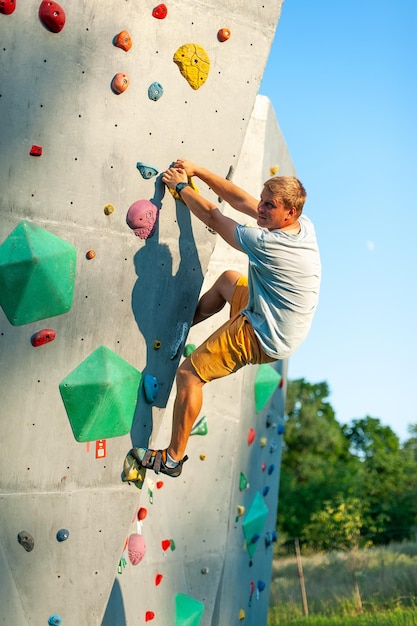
x=180, y=186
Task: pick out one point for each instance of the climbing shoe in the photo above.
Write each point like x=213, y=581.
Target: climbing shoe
x=156, y=461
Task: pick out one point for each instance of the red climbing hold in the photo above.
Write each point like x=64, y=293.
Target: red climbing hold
x=251, y=436
x=120, y=82
x=35, y=151
x=90, y=254
x=7, y=6
x=159, y=484
x=142, y=513
x=43, y=336
x=160, y=12
x=166, y=543
x=150, y=615
x=52, y=15
x=223, y=34
x=158, y=579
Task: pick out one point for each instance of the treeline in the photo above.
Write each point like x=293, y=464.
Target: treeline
x=343, y=486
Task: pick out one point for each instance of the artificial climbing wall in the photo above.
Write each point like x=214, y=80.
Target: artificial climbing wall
x=88, y=309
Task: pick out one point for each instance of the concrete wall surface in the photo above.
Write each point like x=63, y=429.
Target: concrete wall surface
x=56, y=93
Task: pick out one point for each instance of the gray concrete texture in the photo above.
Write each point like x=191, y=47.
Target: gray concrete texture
x=55, y=92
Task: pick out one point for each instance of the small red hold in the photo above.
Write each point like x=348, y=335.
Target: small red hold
x=142, y=513
x=7, y=6
x=149, y=616
x=223, y=34
x=251, y=436
x=120, y=82
x=160, y=12
x=159, y=484
x=166, y=543
x=158, y=579
x=35, y=151
x=52, y=15
x=42, y=336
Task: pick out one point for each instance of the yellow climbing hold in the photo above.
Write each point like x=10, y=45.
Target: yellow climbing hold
x=194, y=64
x=177, y=195
x=242, y=615
x=274, y=169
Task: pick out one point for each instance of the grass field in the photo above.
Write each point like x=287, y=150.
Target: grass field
x=377, y=588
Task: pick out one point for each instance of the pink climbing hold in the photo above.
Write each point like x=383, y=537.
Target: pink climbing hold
x=142, y=218
x=160, y=12
x=42, y=336
x=7, y=6
x=136, y=548
x=251, y=436
x=52, y=15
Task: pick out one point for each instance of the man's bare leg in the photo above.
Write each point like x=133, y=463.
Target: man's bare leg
x=187, y=406
x=216, y=297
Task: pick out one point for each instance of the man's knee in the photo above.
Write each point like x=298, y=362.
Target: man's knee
x=186, y=375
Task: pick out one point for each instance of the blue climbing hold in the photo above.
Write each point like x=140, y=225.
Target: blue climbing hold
x=146, y=170
x=155, y=91
x=271, y=469
x=150, y=388
x=55, y=620
x=62, y=534
x=280, y=429
x=265, y=490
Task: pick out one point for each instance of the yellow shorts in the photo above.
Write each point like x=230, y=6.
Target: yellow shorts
x=233, y=345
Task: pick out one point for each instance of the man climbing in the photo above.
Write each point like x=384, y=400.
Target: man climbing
x=270, y=311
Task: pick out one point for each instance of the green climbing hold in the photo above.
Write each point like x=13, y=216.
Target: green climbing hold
x=201, y=427
x=254, y=522
x=188, y=611
x=37, y=274
x=243, y=482
x=100, y=396
x=266, y=381
x=189, y=349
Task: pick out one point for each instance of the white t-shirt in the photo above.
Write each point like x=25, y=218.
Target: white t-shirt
x=284, y=281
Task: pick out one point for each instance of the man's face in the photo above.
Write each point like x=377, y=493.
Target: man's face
x=271, y=212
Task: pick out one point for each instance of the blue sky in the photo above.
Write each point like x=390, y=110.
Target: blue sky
x=342, y=79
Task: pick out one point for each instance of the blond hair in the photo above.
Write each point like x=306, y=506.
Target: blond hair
x=289, y=190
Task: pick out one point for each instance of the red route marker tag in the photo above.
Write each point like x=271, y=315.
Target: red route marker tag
x=101, y=448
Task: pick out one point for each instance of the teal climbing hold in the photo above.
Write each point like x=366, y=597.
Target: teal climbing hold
x=37, y=274
x=254, y=522
x=155, y=91
x=201, y=428
x=100, y=396
x=146, y=170
x=266, y=381
x=188, y=611
x=150, y=388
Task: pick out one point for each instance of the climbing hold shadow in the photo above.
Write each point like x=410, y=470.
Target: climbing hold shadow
x=26, y=540
x=142, y=218
x=193, y=63
x=52, y=15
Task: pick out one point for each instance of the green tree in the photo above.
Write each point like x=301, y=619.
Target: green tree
x=317, y=465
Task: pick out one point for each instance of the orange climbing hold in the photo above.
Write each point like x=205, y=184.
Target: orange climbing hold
x=223, y=34
x=123, y=40
x=160, y=12
x=120, y=82
x=52, y=15
x=91, y=254
x=7, y=6
x=142, y=513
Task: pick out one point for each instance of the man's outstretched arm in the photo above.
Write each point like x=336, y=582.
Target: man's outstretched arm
x=238, y=198
x=202, y=208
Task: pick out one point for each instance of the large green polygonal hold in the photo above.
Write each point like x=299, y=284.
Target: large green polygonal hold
x=37, y=274
x=266, y=381
x=188, y=611
x=100, y=396
x=254, y=522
